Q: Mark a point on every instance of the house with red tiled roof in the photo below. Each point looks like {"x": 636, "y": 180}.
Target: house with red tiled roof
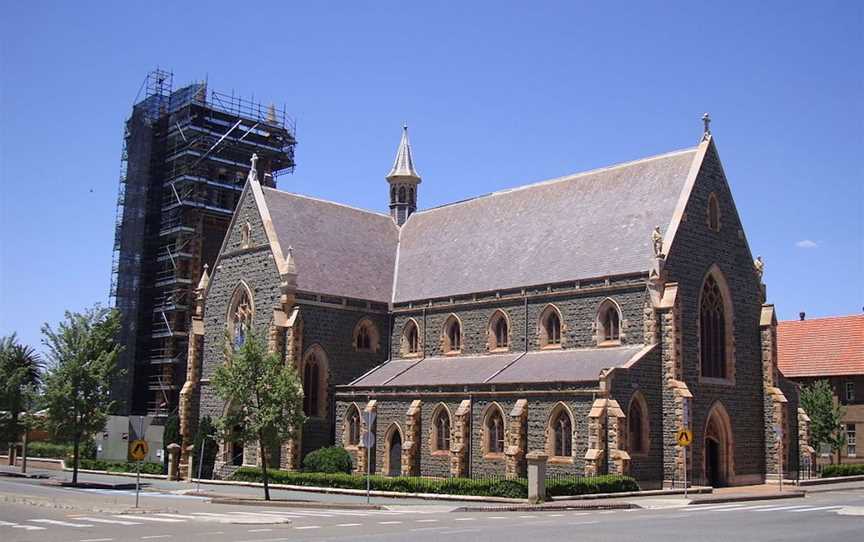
{"x": 829, "y": 349}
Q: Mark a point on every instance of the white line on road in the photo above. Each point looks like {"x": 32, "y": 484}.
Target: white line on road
{"x": 428, "y": 528}
{"x": 427, "y": 520}
{"x": 308, "y": 527}
{"x": 148, "y": 518}
{"x": 176, "y": 516}
{"x": 60, "y": 523}
{"x": 817, "y": 508}
{"x": 780, "y": 508}
{"x": 260, "y": 530}
{"x": 16, "y": 526}
{"x": 464, "y": 519}
{"x": 490, "y": 517}
{"x": 349, "y": 524}
{"x": 152, "y": 536}
{"x": 389, "y": 522}
{"x": 96, "y": 540}
{"x": 109, "y": 521}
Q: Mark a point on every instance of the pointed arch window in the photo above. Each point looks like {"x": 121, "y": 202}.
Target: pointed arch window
{"x": 637, "y": 425}
{"x": 494, "y": 432}
{"x": 713, "y": 330}
{"x": 311, "y": 386}
{"x": 452, "y": 335}
{"x": 550, "y": 328}
{"x": 240, "y": 316}
{"x": 441, "y": 430}
{"x": 366, "y": 338}
{"x": 608, "y": 323}
{"x": 562, "y": 433}
{"x": 353, "y": 423}
{"x": 499, "y": 332}
{"x": 401, "y": 194}
{"x": 410, "y": 339}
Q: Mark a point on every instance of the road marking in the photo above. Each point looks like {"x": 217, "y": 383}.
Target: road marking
{"x": 110, "y": 521}
{"x": 389, "y": 522}
{"x": 704, "y": 508}
{"x": 608, "y": 512}
{"x": 97, "y": 540}
{"x": 260, "y": 530}
{"x": 554, "y": 515}
{"x": 148, "y": 518}
{"x": 175, "y": 516}
{"x": 152, "y": 536}
{"x": 427, "y": 520}
{"x": 349, "y": 525}
{"x": 817, "y": 508}
{"x": 490, "y": 517}
{"x": 26, "y": 527}
{"x": 308, "y": 527}
{"x": 527, "y": 517}
{"x": 464, "y": 519}
{"x": 428, "y": 528}
{"x": 779, "y": 508}
{"x": 580, "y": 514}
{"x": 60, "y": 523}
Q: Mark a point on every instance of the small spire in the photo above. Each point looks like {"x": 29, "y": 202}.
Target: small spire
{"x": 271, "y": 114}
{"x": 253, "y": 171}
{"x": 706, "y": 132}
{"x": 403, "y": 166}
{"x": 205, "y": 278}
{"x": 289, "y": 261}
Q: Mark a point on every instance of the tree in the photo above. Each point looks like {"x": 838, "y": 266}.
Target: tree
{"x": 206, "y": 437}
{"x": 170, "y": 435}
{"x": 21, "y": 367}
{"x": 83, "y": 355}
{"x": 264, "y": 395}
{"x": 826, "y": 416}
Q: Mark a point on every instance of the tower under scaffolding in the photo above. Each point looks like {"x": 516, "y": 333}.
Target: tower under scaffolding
{"x": 183, "y": 167}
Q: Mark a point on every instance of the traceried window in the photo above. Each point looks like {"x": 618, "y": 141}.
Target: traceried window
{"x": 441, "y": 430}
{"x": 452, "y": 335}
{"x": 353, "y": 423}
{"x": 311, "y": 386}
{"x": 495, "y": 432}
{"x": 550, "y": 327}
{"x": 713, "y": 212}
{"x": 363, "y": 339}
{"x": 608, "y": 323}
{"x": 366, "y": 336}
{"x": 712, "y": 330}
{"x": 240, "y": 317}
{"x": 499, "y": 332}
{"x": 410, "y": 339}
{"x": 637, "y": 425}
{"x": 562, "y": 432}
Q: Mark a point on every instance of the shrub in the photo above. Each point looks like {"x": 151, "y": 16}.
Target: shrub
{"x": 49, "y": 450}
{"x": 205, "y": 437}
{"x": 333, "y": 459}
{"x": 119, "y": 466}
{"x": 609, "y": 483}
{"x": 829, "y": 471}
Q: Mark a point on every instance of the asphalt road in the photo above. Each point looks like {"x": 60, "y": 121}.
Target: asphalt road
{"x": 824, "y": 517}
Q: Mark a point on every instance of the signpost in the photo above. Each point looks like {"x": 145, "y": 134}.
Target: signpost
{"x": 369, "y": 443}
{"x": 138, "y": 449}
{"x": 684, "y": 438}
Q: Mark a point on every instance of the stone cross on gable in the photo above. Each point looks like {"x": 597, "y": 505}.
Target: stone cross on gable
{"x": 253, "y": 171}
{"x": 706, "y": 119}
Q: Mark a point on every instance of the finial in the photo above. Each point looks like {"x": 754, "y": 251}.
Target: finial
{"x": 205, "y": 278}
{"x": 759, "y": 266}
{"x": 657, "y": 239}
{"x": 289, "y": 260}
{"x": 706, "y": 119}
{"x": 405, "y": 125}
{"x": 253, "y": 171}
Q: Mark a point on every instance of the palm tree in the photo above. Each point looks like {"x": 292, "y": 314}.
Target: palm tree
{"x": 21, "y": 366}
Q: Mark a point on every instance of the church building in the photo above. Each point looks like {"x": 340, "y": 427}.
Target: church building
{"x": 586, "y": 319}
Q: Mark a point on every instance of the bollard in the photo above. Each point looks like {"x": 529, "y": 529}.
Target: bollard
{"x": 536, "y": 477}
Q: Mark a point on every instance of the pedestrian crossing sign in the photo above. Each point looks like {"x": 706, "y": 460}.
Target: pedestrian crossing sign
{"x": 684, "y": 437}
{"x": 138, "y": 449}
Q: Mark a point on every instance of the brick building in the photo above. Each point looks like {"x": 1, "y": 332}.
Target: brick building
{"x": 829, "y": 349}
{"x": 586, "y": 317}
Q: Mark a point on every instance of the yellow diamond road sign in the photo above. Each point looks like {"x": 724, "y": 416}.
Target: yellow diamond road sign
{"x": 138, "y": 449}
{"x": 684, "y": 437}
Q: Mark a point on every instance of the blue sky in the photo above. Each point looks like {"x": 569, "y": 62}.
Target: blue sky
{"x": 497, "y": 94}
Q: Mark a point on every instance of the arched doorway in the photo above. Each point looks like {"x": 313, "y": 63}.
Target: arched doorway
{"x": 394, "y": 452}
{"x": 717, "y": 448}
{"x": 236, "y": 448}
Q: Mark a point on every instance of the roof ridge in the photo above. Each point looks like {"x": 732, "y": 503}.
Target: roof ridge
{"x": 321, "y": 200}
{"x": 563, "y": 178}
{"x": 834, "y": 317}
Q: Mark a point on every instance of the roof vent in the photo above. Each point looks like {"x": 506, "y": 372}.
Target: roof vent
{"x": 801, "y": 315}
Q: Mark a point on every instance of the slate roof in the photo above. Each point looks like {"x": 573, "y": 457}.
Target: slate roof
{"x": 338, "y": 250}
{"x": 821, "y": 346}
{"x": 576, "y": 365}
{"x": 591, "y": 224}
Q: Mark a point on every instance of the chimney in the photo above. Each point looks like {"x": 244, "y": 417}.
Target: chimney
{"x": 801, "y": 315}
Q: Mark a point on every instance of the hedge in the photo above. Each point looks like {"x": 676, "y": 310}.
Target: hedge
{"x": 118, "y": 466}
{"x": 486, "y": 487}
{"x": 830, "y": 471}
{"x": 49, "y": 450}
